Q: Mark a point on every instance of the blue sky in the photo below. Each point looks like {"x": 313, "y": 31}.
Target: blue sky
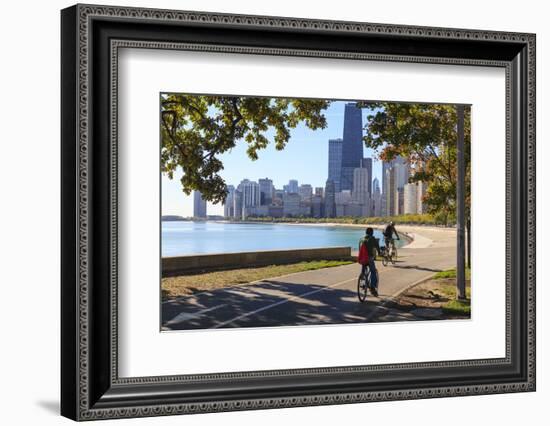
{"x": 304, "y": 158}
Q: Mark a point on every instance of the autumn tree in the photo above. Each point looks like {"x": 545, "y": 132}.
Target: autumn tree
{"x": 426, "y": 135}
{"x": 197, "y": 129}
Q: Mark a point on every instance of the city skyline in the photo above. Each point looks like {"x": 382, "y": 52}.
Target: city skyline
{"x": 348, "y": 190}
{"x": 304, "y": 142}
{"x": 365, "y": 198}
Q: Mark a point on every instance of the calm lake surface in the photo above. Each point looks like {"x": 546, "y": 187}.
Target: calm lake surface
{"x": 185, "y": 237}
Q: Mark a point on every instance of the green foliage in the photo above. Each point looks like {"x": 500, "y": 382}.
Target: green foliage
{"x": 454, "y": 306}
{"x": 457, "y": 307}
{"x": 451, "y": 273}
{"x": 197, "y": 129}
{"x": 426, "y": 135}
{"x": 409, "y": 219}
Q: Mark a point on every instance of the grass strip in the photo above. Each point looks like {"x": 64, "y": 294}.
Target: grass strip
{"x": 450, "y": 273}
{"x": 454, "y": 306}
{"x": 457, "y": 307}
{"x": 185, "y": 285}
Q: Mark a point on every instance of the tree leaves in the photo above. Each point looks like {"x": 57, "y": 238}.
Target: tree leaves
{"x": 426, "y": 135}
{"x": 196, "y": 129}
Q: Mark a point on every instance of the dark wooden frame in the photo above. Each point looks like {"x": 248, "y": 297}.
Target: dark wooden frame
{"x": 90, "y": 386}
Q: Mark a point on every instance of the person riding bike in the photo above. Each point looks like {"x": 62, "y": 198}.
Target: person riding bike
{"x": 371, "y": 243}
{"x": 388, "y": 235}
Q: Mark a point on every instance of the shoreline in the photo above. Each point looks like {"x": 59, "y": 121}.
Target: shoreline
{"x": 415, "y": 236}
{"x": 378, "y": 225}
{"x": 412, "y": 232}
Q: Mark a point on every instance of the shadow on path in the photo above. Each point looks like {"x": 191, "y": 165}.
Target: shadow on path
{"x": 419, "y": 268}
{"x": 269, "y": 303}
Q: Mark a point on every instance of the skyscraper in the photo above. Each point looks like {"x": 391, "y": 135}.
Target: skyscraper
{"x": 278, "y": 197}
{"x": 250, "y": 194}
{"x": 291, "y": 205}
{"x": 317, "y": 206}
{"x": 377, "y": 198}
{"x": 199, "y": 205}
{"x": 376, "y": 186}
{"x": 366, "y": 163}
{"x": 386, "y": 166}
{"x": 330, "y": 205}
{"x": 395, "y": 175}
{"x": 343, "y": 197}
{"x": 228, "y": 205}
{"x": 335, "y": 162}
{"x": 320, "y": 191}
{"x": 361, "y": 186}
{"x": 410, "y": 198}
{"x": 305, "y": 191}
{"x": 292, "y": 187}
{"x": 237, "y": 204}
{"x": 399, "y": 201}
{"x": 391, "y": 178}
{"x": 402, "y": 167}
{"x": 266, "y": 191}
{"x": 352, "y": 145}
{"x": 343, "y": 200}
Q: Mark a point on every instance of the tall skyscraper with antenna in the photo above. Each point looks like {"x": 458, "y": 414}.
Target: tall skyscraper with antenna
{"x": 352, "y": 144}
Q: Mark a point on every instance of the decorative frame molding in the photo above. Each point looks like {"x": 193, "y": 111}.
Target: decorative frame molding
{"x": 91, "y": 37}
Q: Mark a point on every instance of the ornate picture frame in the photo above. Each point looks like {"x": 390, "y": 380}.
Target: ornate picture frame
{"x": 90, "y": 38}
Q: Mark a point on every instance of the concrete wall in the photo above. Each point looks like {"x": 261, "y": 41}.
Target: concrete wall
{"x": 205, "y": 262}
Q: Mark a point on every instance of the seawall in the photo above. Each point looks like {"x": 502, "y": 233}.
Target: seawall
{"x": 177, "y": 265}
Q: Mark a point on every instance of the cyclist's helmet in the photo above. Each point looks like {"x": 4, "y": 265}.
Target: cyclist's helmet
{"x": 391, "y": 222}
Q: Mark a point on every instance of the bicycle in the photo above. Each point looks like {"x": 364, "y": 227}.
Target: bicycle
{"x": 364, "y": 284}
{"x": 390, "y": 253}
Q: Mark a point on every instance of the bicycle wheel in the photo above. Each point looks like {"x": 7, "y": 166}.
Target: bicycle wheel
{"x": 394, "y": 256}
{"x": 362, "y": 287}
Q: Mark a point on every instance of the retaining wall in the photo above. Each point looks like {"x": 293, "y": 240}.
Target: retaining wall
{"x": 177, "y": 265}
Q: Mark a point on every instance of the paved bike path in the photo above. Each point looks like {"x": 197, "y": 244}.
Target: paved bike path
{"x": 325, "y": 296}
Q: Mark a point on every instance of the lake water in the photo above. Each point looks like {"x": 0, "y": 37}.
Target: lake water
{"x": 185, "y": 237}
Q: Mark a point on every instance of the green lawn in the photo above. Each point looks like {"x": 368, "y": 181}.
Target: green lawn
{"x": 447, "y": 286}
{"x": 457, "y": 307}
{"x": 188, "y": 284}
{"x": 451, "y": 273}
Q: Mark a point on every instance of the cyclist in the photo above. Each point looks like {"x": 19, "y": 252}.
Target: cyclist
{"x": 372, "y": 246}
{"x": 388, "y": 235}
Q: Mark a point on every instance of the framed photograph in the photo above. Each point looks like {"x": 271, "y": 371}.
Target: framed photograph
{"x": 263, "y": 212}
{"x": 262, "y": 253}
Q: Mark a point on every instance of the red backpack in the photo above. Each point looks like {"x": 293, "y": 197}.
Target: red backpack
{"x": 363, "y": 257}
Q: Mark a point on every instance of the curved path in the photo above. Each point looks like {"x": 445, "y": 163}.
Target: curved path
{"x": 325, "y": 296}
